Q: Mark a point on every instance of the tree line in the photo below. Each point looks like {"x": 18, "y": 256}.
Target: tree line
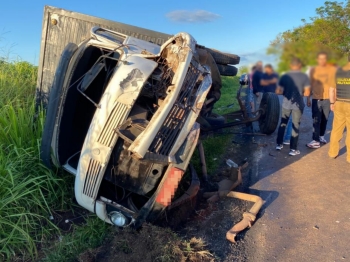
{"x": 328, "y": 31}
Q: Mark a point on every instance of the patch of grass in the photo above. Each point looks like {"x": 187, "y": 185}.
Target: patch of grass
{"x": 17, "y": 81}
{"x": 28, "y": 190}
{"x": 228, "y": 102}
{"x": 89, "y": 235}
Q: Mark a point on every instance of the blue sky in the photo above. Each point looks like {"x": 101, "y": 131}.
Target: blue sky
{"x": 241, "y": 27}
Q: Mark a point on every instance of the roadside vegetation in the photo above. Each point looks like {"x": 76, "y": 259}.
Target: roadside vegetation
{"x": 27, "y": 189}
{"x": 328, "y": 30}
{"x": 31, "y": 194}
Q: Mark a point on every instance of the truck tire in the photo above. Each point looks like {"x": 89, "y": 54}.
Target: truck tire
{"x": 53, "y": 103}
{"x": 269, "y": 119}
{"x": 224, "y": 58}
{"x": 227, "y": 70}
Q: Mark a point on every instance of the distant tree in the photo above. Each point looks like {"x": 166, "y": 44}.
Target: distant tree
{"x": 328, "y": 31}
{"x": 243, "y": 70}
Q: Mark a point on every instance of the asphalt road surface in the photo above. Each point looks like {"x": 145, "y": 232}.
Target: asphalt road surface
{"x": 306, "y": 216}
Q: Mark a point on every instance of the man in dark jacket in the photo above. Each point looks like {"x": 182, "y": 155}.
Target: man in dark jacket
{"x": 269, "y": 79}
{"x": 293, "y": 85}
{"x": 257, "y": 88}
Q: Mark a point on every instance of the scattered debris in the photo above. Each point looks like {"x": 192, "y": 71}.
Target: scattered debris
{"x": 225, "y": 187}
{"x": 230, "y": 163}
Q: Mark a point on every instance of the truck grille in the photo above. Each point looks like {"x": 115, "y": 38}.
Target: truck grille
{"x": 92, "y": 173}
{"x": 168, "y": 133}
{"x": 117, "y": 117}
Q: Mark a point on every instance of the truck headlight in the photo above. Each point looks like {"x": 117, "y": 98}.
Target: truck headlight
{"x": 118, "y": 218}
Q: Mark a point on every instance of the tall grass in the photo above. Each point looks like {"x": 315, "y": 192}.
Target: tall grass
{"x": 17, "y": 81}
{"x": 28, "y": 190}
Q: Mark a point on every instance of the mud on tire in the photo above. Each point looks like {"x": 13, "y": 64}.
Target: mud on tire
{"x": 269, "y": 119}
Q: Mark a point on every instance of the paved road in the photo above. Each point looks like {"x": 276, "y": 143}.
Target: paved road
{"x": 307, "y": 212}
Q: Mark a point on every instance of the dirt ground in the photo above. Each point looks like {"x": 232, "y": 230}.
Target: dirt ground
{"x": 306, "y": 215}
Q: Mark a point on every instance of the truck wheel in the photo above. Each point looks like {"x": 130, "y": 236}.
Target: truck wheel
{"x": 224, "y": 58}
{"x": 269, "y": 119}
{"x": 227, "y": 70}
{"x": 53, "y": 103}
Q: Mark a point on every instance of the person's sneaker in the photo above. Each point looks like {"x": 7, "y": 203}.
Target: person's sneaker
{"x": 323, "y": 140}
{"x": 293, "y": 152}
{"x": 286, "y": 142}
{"x": 313, "y": 144}
{"x": 279, "y": 147}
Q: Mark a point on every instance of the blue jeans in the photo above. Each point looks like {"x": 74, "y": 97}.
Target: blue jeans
{"x": 288, "y": 134}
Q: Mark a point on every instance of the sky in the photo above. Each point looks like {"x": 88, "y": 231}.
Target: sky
{"x": 240, "y": 27}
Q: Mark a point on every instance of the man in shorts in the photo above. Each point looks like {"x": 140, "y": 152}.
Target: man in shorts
{"x": 293, "y": 86}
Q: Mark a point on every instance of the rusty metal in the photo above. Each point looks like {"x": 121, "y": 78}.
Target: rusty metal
{"x": 54, "y": 21}
{"x": 225, "y": 185}
{"x": 248, "y": 217}
{"x": 240, "y": 115}
{"x": 190, "y": 193}
{"x": 202, "y": 160}
{"x": 235, "y": 123}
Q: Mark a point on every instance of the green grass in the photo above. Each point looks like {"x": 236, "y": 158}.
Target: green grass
{"x": 228, "y": 96}
{"x": 28, "y": 190}
{"x": 82, "y": 238}
{"x": 17, "y": 82}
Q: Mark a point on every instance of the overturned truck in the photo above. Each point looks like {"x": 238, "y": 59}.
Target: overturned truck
{"x": 122, "y": 111}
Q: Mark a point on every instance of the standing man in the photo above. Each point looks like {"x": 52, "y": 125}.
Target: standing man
{"x": 269, "y": 79}
{"x": 257, "y": 88}
{"x": 293, "y": 86}
{"x": 251, "y": 94}
{"x": 321, "y": 79}
{"x": 340, "y": 105}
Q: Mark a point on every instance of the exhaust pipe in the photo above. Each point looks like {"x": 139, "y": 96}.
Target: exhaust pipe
{"x": 248, "y": 217}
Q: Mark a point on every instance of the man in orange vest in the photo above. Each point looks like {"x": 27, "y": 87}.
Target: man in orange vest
{"x": 340, "y": 104}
